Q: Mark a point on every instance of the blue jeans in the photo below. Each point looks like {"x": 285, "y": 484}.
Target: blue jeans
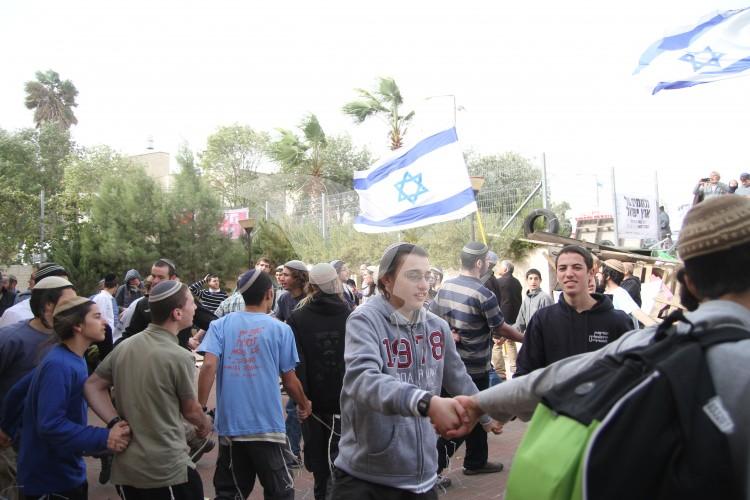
{"x": 494, "y": 378}
{"x": 293, "y": 427}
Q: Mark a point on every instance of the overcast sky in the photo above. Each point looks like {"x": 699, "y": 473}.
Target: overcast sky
{"x": 531, "y": 77}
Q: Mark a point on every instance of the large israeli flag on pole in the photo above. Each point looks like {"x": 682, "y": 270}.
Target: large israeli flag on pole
{"x": 716, "y": 48}
{"x": 416, "y": 185}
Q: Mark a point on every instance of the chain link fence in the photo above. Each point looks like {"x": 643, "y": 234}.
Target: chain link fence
{"x": 507, "y": 195}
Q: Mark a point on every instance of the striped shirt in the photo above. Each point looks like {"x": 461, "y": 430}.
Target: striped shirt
{"x": 473, "y": 311}
{"x": 210, "y": 300}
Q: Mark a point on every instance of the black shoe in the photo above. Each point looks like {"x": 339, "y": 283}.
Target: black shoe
{"x": 487, "y": 468}
{"x": 203, "y": 447}
{"x": 106, "y": 469}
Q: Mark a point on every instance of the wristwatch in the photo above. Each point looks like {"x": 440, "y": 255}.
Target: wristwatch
{"x": 423, "y": 405}
{"x": 112, "y": 422}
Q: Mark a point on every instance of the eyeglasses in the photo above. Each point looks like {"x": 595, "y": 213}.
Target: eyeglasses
{"x": 417, "y": 276}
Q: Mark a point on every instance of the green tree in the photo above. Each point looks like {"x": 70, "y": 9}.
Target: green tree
{"x": 508, "y": 179}
{"x": 51, "y": 99}
{"x": 191, "y": 219}
{"x": 384, "y": 102}
{"x": 30, "y": 160}
{"x": 230, "y": 161}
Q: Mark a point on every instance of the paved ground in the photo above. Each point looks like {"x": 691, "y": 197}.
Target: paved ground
{"x": 501, "y": 449}
{"x": 486, "y": 486}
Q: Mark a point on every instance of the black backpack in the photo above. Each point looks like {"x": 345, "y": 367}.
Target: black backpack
{"x": 652, "y": 424}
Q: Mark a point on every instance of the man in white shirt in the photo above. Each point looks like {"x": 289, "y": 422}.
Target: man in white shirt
{"x": 613, "y": 273}
{"x": 104, "y": 300}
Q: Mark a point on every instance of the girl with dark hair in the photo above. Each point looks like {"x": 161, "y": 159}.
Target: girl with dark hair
{"x": 55, "y": 434}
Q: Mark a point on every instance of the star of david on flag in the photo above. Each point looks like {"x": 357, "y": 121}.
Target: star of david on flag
{"x": 419, "y": 184}
{"x": 717, "y": 47}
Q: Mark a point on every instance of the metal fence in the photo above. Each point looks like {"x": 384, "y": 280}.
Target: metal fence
{"x": 506, "y": 196}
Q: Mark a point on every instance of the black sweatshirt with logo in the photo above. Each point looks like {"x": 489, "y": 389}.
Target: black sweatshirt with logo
{"x": 559, "y": 331}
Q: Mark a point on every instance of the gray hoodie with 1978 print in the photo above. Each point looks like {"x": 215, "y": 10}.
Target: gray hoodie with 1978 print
{"x": 391, "y": 362}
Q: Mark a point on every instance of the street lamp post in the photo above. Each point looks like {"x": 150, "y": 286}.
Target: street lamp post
{"x": 248, "y": 225}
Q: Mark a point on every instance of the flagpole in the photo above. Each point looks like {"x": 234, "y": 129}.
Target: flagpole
{"x": 481, "y": 227}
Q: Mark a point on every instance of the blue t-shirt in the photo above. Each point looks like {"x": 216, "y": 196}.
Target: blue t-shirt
{"x": 55, "y": 434}
{"x": 21, "y": 349}
{"x": 253, "y": 349}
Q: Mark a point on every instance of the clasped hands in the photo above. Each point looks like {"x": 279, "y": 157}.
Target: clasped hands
{"x": 456, "y": 417}
{"x": 119, "y": 437}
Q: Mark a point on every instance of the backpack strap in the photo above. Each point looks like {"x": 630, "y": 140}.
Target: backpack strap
{"x": 667, "y": 326}
{"x": 719, "y": 334}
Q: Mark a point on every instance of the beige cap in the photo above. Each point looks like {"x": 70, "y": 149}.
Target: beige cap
{"x": 615, "y": 264}
{"x": 715, "y": 225}
{"x": 52, "y": 282}
{"x": 70, "y": 303}
{"x": 325, "y": 277}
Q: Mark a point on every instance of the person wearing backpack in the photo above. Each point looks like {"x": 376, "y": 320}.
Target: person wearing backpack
{"x": 713, "y": 442}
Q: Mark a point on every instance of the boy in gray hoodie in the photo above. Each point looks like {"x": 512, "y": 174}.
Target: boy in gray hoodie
{"x": 398, "y": 356}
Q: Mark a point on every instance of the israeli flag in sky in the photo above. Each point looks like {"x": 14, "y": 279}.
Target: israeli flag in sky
{"x": 416, "y": 185}
{"x": 718, "y": 47}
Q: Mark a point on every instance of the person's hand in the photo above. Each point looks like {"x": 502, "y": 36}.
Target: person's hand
{"x": 119, "y": 437}
{"x": 499, "y": 341}
{"x": 304, "y": 411}
{"x": 193, "y": 343}
{"x": 473, "y": 412}
{"x": 5, "y": 439}
{"x": 447, "y": 415}
{"x": 205, "y": 428}
{"x": 456, "y": 336}
{"x": 493, "y": 426}
{"x": 205, "y": 278}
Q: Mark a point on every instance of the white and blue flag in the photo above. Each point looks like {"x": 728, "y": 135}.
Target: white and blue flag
{"x": 718, "y": 47}
{"x": 416, "y": 185}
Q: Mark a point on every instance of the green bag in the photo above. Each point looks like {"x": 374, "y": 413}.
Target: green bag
{"x": 558, "y": 442}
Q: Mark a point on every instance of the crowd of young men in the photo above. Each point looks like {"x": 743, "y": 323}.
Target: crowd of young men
{"x": 382, "y": 393}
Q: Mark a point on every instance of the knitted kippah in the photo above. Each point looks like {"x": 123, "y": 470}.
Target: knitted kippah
{"x": 475, "y": 248}
{"x": 247, "y": 280}
{"x": 164, "y": 290}
{"x": 52, "y": 282}
{"x": 70, "y": 303}
{"x": 296, "y": 264}
{"x": 715, "y": 225}
{"x": 326, "y": 278}
{"x": 50, "y": 269}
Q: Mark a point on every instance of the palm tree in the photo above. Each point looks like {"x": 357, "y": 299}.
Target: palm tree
{"x": 51, "y": 99}
{"x": 303, "y": 158}
{"x": 383, "y": 102}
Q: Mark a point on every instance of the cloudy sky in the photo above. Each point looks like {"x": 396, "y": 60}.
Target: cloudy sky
{"x": 533, "y": 77}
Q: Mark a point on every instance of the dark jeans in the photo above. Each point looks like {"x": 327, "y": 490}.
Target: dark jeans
{"x": 79, "y": 493}
{"x": 192, "y": 490}
{"x": 241, "y": 461}
{"x": 346, "y": 487}
{"x": 293, "y": 428}
{"x": 476, "y": 440}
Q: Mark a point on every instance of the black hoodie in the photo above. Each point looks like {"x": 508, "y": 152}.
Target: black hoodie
{"x": 319, "y": 327}
{"x": 559, "y": 331}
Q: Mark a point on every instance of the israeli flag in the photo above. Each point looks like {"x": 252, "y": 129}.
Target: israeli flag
{"x": 415, "y": 186}
{"x": 718, "y": 47}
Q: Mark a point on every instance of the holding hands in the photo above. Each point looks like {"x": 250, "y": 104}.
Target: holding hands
{"x": 119, "y": 437}
{"x": 448, "y": 416}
